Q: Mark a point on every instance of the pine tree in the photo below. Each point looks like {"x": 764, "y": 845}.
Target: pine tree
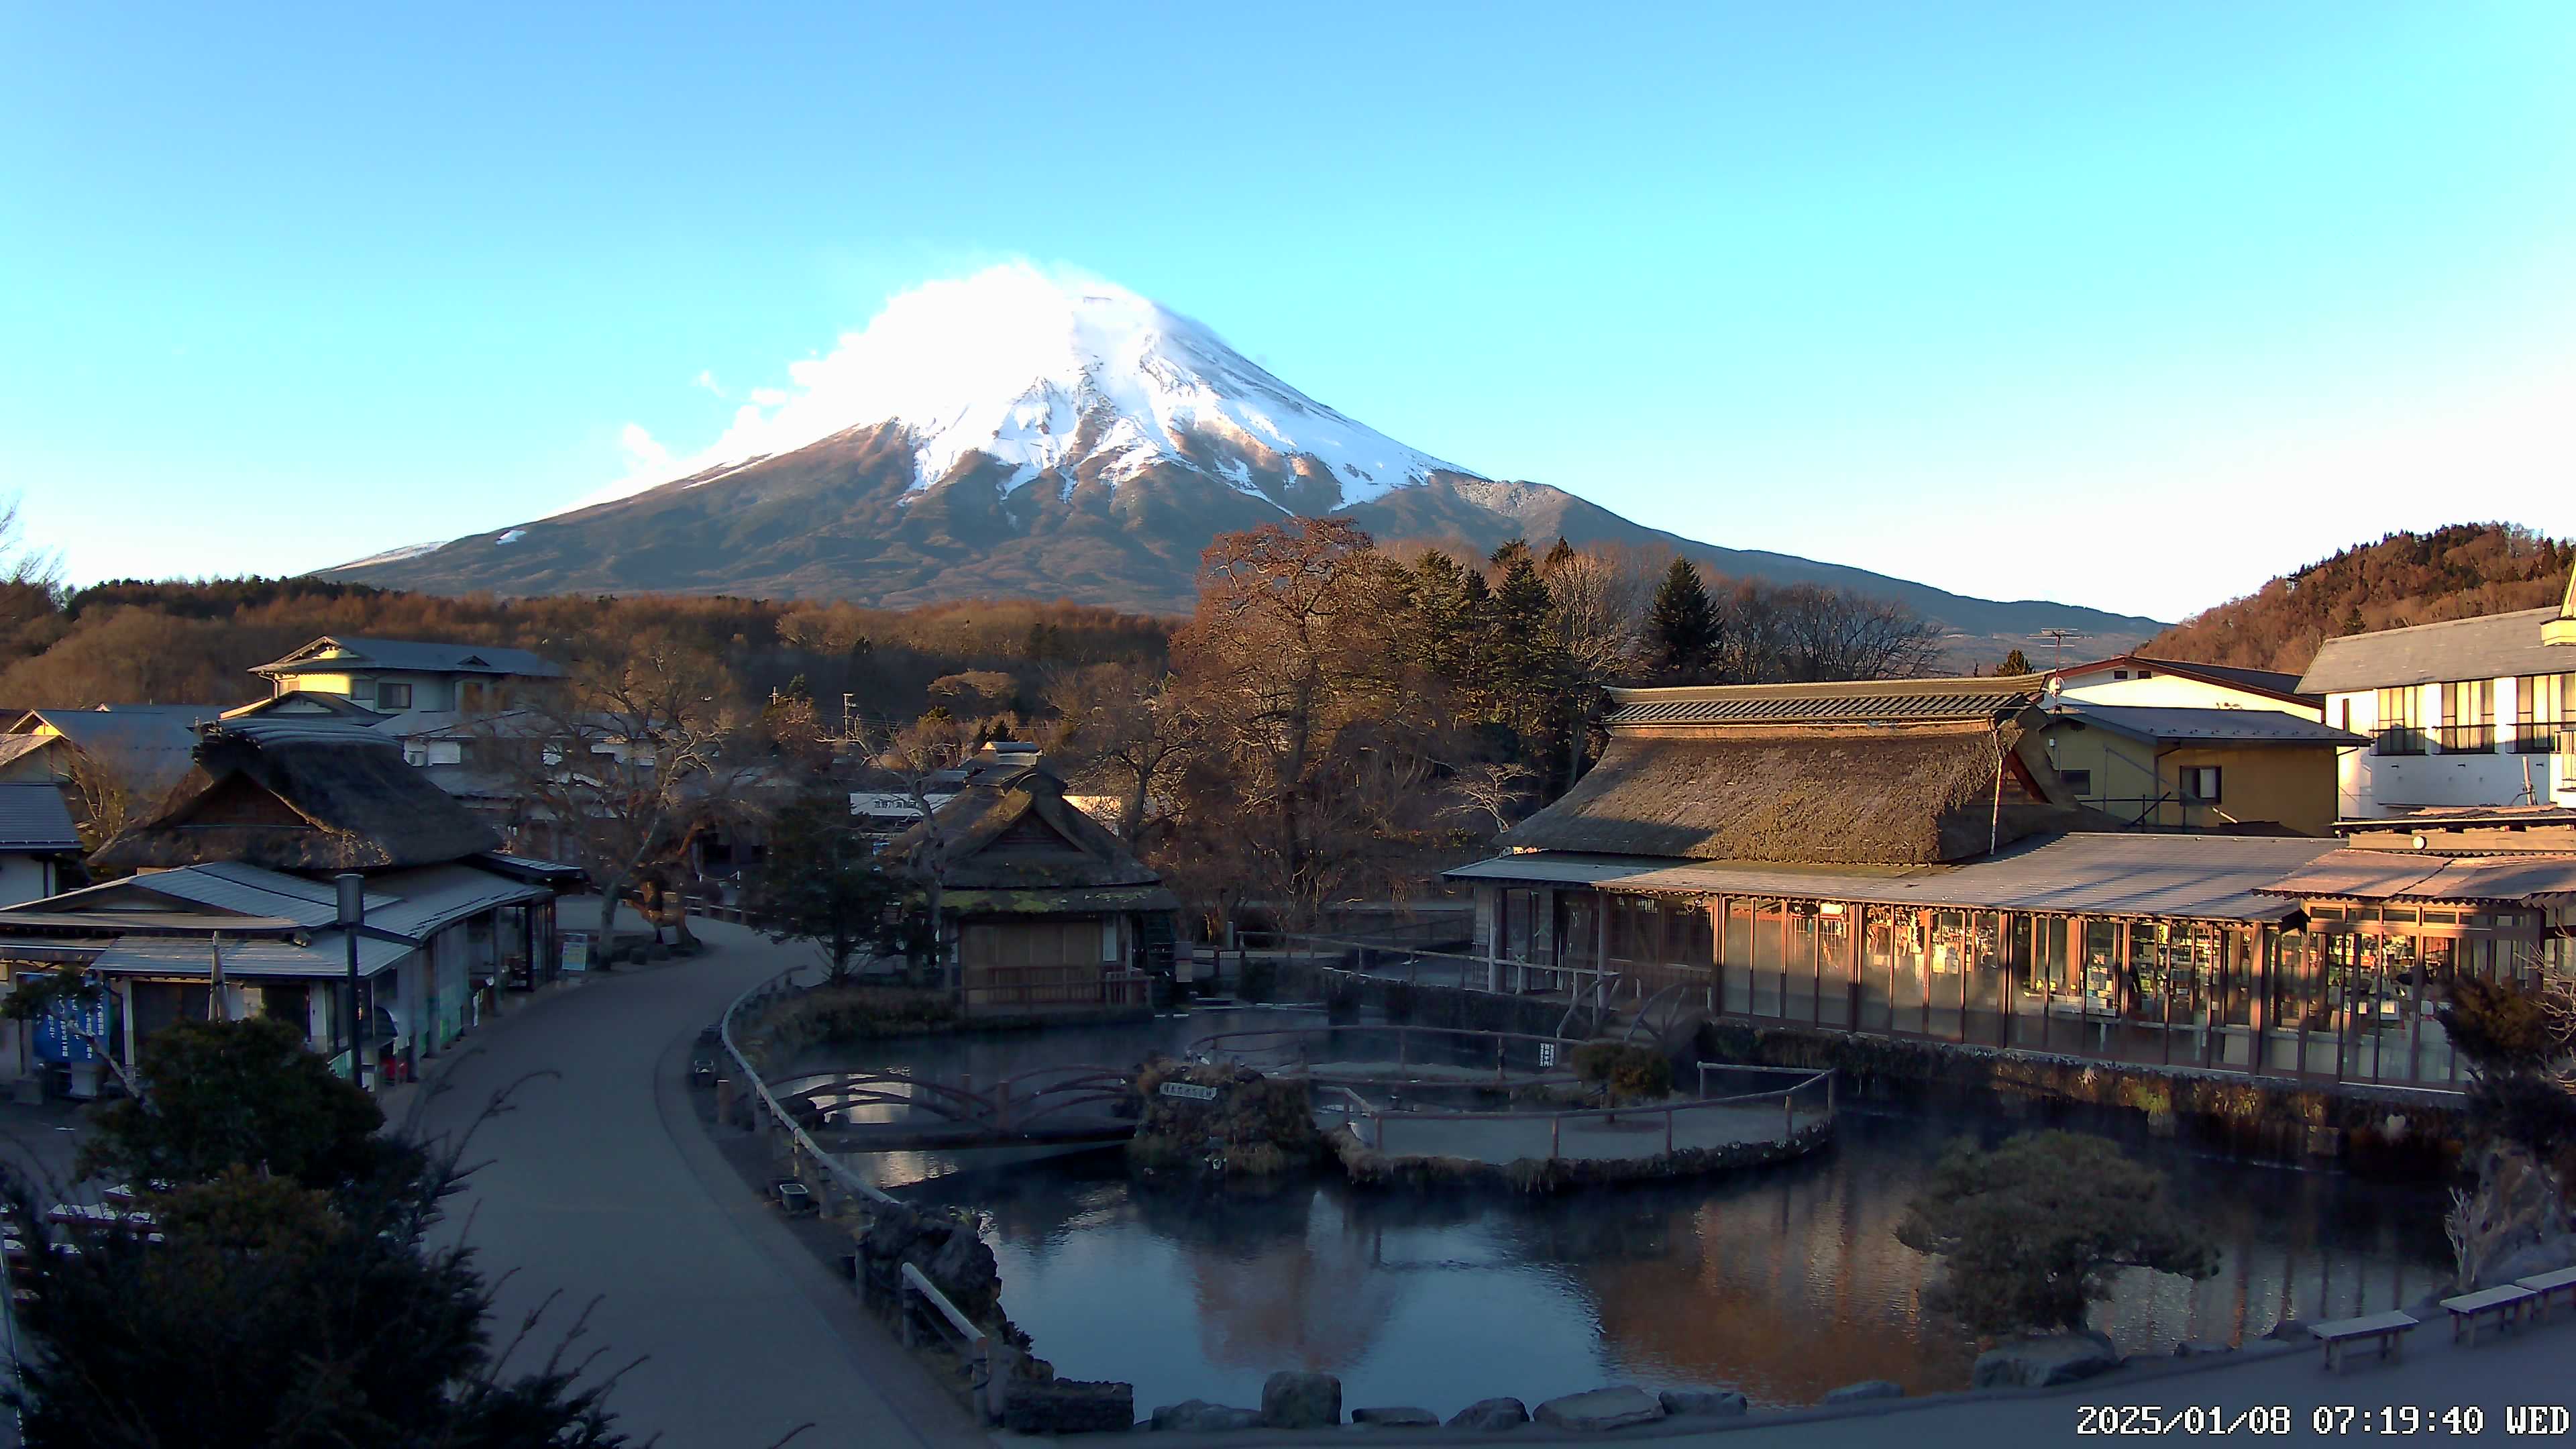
{"x": 1681, "y": 625}
{"x": 2015, "y": 663}
{"x": 1528, "y": 661}
{"x": 1557, "y": 557}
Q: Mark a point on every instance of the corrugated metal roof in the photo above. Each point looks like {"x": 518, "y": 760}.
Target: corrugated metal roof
{"x": 2205, "y": 877}
{"x": 2485, "y": 648}
{"x": 441, "y": 895}
{"x": 248, "y": 891}
{"x": 2388, "y": 875}
{"x": 327, "y": 956}
{"x": 412, "y": 654}
{"x": 35, "y": 818}
{"x": 2236, "y": 726}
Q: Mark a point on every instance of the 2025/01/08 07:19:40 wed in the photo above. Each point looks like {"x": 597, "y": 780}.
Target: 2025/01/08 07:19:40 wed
{"x": 2390, "y": 1419}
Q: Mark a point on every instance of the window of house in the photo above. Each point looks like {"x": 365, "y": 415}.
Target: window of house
{"x": 2079, "y": 781}
{"x": 393, "y": 696}
{"x": 2119, "y": 674}
{"x": 2399, "y": 725}
{"x": 2200, "y": 782}
{"x": 362, "y": 689}
{"x": 2146, "y": 674}
{"x": 2540, "y": 710}
{"x": 2468, "y": 717}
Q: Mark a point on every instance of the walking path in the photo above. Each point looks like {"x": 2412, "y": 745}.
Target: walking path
{"x": 600, "y": 1184}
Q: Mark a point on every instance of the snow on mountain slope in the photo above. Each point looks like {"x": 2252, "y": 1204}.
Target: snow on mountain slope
{"x": 1050, "y": 376}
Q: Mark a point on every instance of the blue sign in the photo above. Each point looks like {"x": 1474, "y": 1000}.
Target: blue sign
{"x": 59, "y": 1031}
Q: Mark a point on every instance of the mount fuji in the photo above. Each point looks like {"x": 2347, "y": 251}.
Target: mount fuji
{"x": 1013, "y": 434}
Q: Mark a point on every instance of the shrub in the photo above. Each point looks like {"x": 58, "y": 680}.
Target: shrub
{"x": 1631, "y": 1073}
{"x": 2031, "y": 1232}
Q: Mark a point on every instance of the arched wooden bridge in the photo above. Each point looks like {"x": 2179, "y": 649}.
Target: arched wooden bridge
{"x": 1046, "y": 1107}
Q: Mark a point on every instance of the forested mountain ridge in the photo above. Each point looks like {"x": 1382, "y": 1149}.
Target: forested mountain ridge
{"x": 2462, "y": 571}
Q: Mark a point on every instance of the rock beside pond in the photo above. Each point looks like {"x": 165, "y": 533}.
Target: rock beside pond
{"x": 2036, "y": 1363}
{"x": 1295, "y": 1400}
{"x": 1491, "y": 1415}
{"x": 2290, "y": 1330}
{"x": 1865, "y": 1389}
{"x": 2545, "y": 1256}
{"x": 2201, "y": 1348}
{"x": 1406, "y": 1418}
{"x": 1618, "y": 1407}
{"x": 1703, "y": 1403}
{"x": 1198, "y": 1416}
{"x": 1070, "y": 1406}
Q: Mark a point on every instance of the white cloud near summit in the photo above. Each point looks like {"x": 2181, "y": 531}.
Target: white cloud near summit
{"x": 941, "y": 340}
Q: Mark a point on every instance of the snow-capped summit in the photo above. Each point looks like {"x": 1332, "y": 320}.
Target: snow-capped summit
{"x": 1066, "y": 379}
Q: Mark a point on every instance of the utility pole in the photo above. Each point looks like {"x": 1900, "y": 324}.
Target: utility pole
{"x": 353, "y": 915}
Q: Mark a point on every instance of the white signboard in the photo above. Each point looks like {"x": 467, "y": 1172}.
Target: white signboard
{"x": 1547, "y": 1054}
{"x": 1193, "y": 1093}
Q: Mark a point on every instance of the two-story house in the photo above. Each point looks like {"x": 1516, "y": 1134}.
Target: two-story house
{"x": 2465, "y": 712}
{"x": 2171, "y": 744}
{"x": 426, "y": 685}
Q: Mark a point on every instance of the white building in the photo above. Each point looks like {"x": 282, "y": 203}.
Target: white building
{"x": 2138, "y": 681}
{"x": 2469, "y": 712}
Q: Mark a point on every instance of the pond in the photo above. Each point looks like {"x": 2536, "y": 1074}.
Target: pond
{"x": 1785, "y": 1282}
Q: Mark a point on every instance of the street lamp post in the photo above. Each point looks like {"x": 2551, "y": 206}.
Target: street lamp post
{"x": 353, "y": 915}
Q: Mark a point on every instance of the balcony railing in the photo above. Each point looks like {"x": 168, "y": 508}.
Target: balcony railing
{"x": 2465, "y": 739}
{"x": 2543, "y": 737}
{"x": 2401, "y": 740}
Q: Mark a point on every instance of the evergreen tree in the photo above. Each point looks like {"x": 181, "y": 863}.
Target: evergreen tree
{"x": 1557, "y": 557}
{"x": 1681, "y": 624}
{"x": 2014, "y": 663}
{"x": 1528, "y": 660}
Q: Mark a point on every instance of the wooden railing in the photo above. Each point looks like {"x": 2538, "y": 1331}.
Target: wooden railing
{"x": 1060, "y": 987}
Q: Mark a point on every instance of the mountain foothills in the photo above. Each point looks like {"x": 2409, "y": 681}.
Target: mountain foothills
{"x": 2458, "y": 572}
{"x": 1013, "y": 436}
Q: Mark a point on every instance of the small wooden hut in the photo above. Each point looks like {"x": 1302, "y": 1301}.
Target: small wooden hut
{"x": 1041, "y": 908}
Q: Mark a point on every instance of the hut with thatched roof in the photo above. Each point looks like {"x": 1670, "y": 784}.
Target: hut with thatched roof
{"x": 225, "y": 906}
{"x": 1040, "y": 908}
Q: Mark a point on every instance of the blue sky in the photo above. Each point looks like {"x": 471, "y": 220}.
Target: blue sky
{"x": 2128, "y": 306}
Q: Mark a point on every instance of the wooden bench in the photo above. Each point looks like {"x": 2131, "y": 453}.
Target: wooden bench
{"x": 2505, "y": 1301}
{"x": 2544, "y": 1284}
{"x": 2388, "y": 1330}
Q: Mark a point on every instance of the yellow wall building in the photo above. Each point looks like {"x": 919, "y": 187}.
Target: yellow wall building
{"x": 2217, "y": 770}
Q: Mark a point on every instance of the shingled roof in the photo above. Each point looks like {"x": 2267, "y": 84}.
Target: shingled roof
{"x": 300, "y": 795}
{"x": 1808, "y": 795}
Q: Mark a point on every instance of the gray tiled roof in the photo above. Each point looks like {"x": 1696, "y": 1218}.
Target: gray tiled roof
{"x": 147, "y": 746}
{"x": 35, "y": 818}
{"x": 2237, "y": 726}
{"x": 2486, "y": 648}
{"x": 412, "y": 654}
{"x": 2387, "y": 875}
{"x": 2205, "y": 877}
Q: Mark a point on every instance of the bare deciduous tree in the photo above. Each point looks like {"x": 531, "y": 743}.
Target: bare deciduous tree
{"x": 1125, "y": 725}
{"x": 627, "y": 761}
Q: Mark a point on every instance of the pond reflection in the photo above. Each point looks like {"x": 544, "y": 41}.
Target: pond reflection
{"x": 1786, "y": 1282}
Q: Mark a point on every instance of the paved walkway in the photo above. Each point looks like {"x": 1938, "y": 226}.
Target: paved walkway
{"x": 601, "y": 1184}
{"x": 1634, "y": 1134}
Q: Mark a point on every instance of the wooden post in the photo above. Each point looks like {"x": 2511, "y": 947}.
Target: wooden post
{"x": 1788, "y": 1119}
{"x": 1668, "y": 1131}
{"x": 1830, "y": 1079}
{"x": 1556, "y": 1136}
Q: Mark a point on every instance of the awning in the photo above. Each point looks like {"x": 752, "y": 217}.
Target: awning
{"x": 2352, "y": 874}
{"x": 2201, "y": 877}
{"x": 327, "y": 956}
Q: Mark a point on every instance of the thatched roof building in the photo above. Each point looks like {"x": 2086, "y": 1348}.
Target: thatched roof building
{"x": 1911, "y": 772}
{"x": 1009, "y": 828}
{"x": 299, "y": 795}
{"x": 1045, "y": 908}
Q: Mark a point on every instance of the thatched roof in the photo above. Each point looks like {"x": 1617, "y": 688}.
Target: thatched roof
{"x": 313, "y": 797}
{"x": 1011, "y": 830}
{"x": 1805, "y": 794}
